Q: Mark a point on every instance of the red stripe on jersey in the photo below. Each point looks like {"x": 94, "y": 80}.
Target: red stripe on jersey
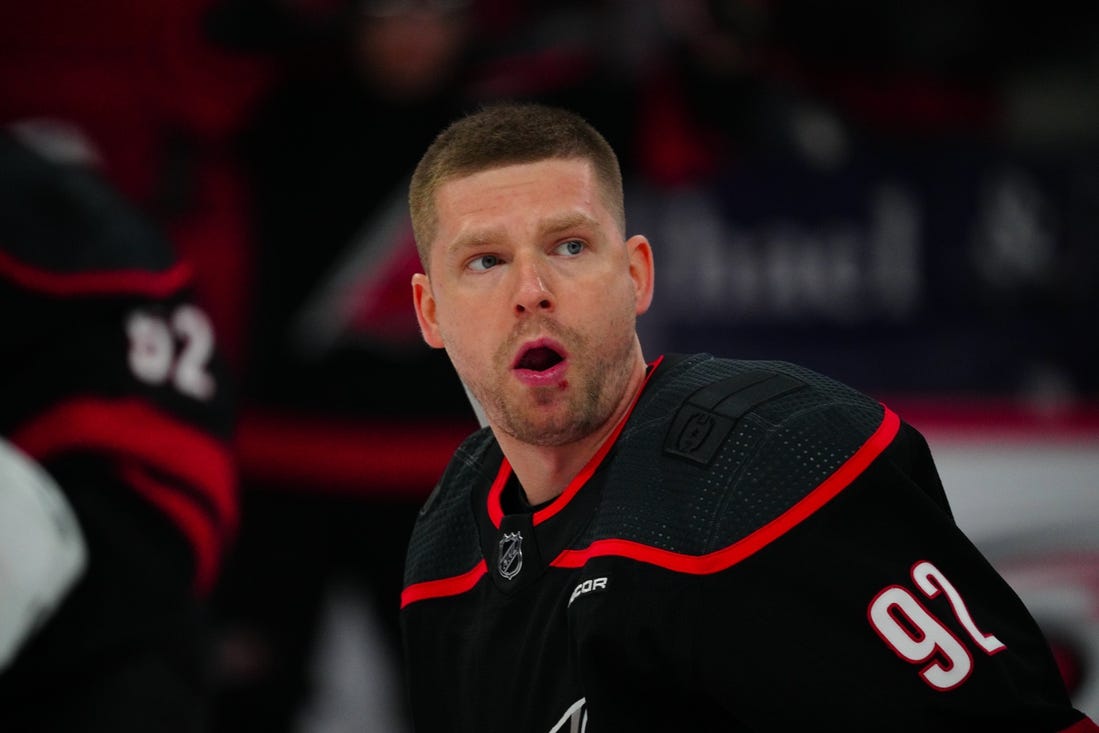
{"x": 136, "y": 431}
{"x": 444, "y": 586}
{"x": 117, "y": 282}
{"x": 721, "y": 559}
{"x": 495, "y": 509}
{"x": 188, "y": 517}
{"x": 1082, "y": 726}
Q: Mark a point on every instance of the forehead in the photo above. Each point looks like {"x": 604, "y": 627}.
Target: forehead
{"x": 524, "y": 192}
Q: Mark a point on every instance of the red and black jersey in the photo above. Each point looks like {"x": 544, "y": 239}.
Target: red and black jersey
{"x": 758, "y": 548}
{"x": 110, "y": 375}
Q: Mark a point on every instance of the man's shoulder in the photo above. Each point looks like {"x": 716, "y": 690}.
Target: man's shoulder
{"x": 472, "y": 460}
{"x": 694, "y": 372}
{"x": 720, "y": 448}
{"x": 697, "y": 400}
{"x": 445, "y": 537}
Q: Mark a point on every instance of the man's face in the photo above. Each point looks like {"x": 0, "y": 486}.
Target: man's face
{"x": 534, "y": 294}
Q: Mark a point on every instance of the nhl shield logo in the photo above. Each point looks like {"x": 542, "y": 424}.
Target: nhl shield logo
{"x": 511, "y": 555}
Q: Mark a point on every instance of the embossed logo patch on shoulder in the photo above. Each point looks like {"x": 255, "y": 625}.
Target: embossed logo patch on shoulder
{"x": 697, "y": 434}
{"x": 707, "y": 416}
{"x": 511, "y": 555}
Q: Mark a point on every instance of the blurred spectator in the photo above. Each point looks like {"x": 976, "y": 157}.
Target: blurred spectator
{"x": 714, "y": 92}
{"x": 114, "y": 393}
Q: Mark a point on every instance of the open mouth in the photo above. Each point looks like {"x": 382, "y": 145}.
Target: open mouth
{"x": 539, "y": 357}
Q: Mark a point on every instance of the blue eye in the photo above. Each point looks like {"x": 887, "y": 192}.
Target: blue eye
{"x": 483, "y": 262}
{"x": 572, "y": 247}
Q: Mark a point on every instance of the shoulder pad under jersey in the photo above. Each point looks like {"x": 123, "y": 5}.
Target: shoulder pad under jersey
{"x": 717, "y": 449}
{"x": 445, "y": 539}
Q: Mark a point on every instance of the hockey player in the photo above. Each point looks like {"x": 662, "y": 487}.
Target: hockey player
{"x": 117, "y": 487}
{"x": 687, "y": 544}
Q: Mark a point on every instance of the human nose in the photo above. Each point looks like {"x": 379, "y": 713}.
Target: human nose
{"x": 532, "y": 292}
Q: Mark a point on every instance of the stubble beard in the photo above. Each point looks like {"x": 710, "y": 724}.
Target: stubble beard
{"x": 597, "y": 380}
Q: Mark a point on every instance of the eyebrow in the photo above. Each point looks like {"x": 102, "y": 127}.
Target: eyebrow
{"x": 552, "y": 225}
{"x": 474, "y": 240}
{"x": 563, "y": 222}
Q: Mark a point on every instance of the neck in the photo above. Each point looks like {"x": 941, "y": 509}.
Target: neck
{"x": 545, "y": 471}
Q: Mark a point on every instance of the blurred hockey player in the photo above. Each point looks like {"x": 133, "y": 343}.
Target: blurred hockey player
{"x": 117, "y": 484}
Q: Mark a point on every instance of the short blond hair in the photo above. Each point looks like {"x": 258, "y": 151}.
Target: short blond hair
{"x": 508, "y": 134}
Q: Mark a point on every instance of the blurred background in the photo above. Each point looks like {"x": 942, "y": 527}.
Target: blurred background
{"x": 904, "y": 196}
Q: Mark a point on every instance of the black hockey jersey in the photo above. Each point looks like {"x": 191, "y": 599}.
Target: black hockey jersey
{"x": 759, "y": 548}
{"x": 111, "y": 377}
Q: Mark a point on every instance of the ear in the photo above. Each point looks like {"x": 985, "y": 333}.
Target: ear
{"x": 424, "y": 302}
{"x": 642, "y": 273}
